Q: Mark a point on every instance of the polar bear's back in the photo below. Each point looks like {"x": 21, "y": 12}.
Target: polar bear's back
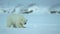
{"x": 16, "y": 18}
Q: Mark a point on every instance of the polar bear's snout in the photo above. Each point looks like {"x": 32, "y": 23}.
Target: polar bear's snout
{"x": 25, "y": 22}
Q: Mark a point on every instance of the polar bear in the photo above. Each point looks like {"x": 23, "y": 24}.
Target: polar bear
{"x": 16, "y": 20}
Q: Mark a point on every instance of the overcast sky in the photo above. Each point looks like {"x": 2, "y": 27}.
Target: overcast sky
{"x": 5, "y": 3}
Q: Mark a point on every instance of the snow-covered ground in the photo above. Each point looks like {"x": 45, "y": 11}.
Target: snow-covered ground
{"x": 39, "y": 22}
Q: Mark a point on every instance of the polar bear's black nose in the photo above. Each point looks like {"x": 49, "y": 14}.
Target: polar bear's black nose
{"x": 25, "y": 23}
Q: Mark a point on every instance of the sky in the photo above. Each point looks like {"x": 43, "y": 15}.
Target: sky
{"x": 39, "y": 22}
{"x": 27, "y": 2}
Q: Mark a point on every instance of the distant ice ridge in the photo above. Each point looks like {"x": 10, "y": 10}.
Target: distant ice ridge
{"x": 21, "y": 9}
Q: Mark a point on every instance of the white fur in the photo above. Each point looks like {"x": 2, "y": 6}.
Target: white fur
{"x": 16, "y": 20}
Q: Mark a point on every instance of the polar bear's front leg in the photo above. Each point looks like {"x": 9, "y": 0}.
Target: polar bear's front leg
{"x": 20, "y": 25}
